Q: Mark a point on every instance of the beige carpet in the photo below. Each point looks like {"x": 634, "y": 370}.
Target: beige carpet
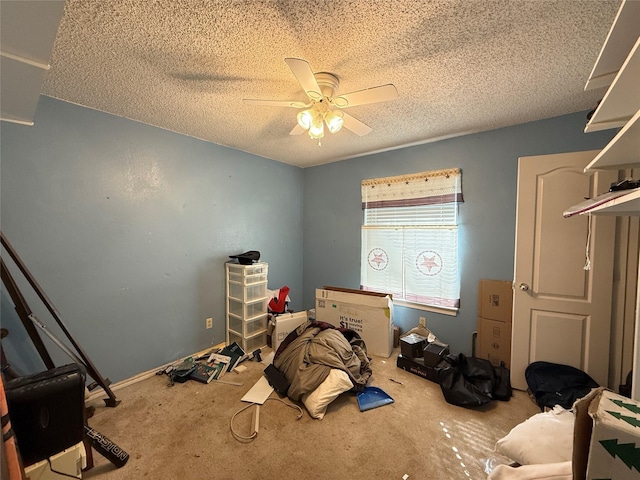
{"x": 183, "y": 432}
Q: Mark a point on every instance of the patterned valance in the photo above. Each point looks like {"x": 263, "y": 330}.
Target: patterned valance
{"x": 425, "y": 188}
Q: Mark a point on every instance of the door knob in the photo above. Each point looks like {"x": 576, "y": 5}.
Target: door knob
{"x": 524, "y": 287}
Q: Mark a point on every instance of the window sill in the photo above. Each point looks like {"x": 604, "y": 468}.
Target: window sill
{"x": 427, "y": 308}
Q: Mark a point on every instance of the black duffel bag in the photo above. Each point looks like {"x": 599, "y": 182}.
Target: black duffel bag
{"x": 555, "y": 384}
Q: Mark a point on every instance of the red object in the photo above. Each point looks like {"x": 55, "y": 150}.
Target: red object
{"x": 277, "y": 305}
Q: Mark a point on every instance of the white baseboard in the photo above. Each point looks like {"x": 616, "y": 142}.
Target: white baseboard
{"x": 99, "y": 392}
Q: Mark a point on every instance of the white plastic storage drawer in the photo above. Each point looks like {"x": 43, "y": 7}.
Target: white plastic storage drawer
{"x": 248, "y": 328}
{"x": 246, "y": 310}
{"x": 261, "y": 277}
{"x": 248, "y": 344}
{"x": 247, "y": 293}
{"x": 247, "y": 274}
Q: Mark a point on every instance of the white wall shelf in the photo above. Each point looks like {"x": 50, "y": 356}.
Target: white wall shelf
{"x": 625, "y": 205}
{"x": 623, "y": 150}
{"x": 620, "y": 107}
{"x": 27, "y": 33}
{"x": 619, "y": 42}
{"x": 622, "y": 99}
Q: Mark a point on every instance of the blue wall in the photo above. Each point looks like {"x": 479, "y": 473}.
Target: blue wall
{"x": 489, "y": 163}
{"x": 127, "y": 227}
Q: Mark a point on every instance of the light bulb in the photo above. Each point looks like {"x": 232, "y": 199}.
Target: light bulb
{"x": 316, "y": 130}
{"x": 334, "y": 119}
{"x": 305, "y": 118}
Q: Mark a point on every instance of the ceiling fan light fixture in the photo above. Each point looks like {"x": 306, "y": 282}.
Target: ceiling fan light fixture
{"x": 321, "y": 89}
{"x": 334, "y": 120}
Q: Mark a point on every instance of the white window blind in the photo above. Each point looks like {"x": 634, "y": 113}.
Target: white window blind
{"x": 410, "y": 237}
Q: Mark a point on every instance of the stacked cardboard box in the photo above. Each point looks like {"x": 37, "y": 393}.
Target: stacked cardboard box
{"x": 495, "y": 301}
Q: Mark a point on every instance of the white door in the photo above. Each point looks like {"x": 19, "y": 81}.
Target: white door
{"x": 561, "y": 311}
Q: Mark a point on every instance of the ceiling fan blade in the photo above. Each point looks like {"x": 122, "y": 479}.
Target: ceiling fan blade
{"x": 355, "y": 125}
{"x": 275, "y": 103}
{"x": 302, "y": 71}
{"x": 381, "y": 93}
{"x": 297, "y": 130}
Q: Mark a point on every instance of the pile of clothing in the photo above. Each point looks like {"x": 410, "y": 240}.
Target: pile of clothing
{"x": 310, "y": 353}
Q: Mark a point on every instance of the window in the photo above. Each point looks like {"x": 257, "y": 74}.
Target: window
{"x": 410, "y": 237}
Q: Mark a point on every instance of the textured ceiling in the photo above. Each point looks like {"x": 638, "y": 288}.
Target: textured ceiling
{"x": 460, "y": 66}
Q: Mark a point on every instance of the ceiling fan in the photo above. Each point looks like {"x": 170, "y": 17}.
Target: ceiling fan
{"x": 325, "y": 105}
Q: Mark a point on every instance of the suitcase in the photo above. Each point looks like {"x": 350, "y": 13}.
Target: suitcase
{"x": 47, "y": 411}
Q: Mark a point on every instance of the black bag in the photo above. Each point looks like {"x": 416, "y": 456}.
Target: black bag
{"x": 468, "y": 382}
{"x": 554, "y": 384}
{"x": 277, "y": 380}
{"x": 502, "y": 386}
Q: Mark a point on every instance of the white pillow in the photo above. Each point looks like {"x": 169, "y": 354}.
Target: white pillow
{"x": 316, "y": 402}
{"x": 544, "y": 438}
{"x": 549, "y": 471}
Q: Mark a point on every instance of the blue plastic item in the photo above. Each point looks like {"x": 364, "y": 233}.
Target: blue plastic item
{"x": 373, "y": 397}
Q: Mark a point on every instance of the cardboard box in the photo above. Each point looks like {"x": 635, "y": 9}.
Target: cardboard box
{"x": 495, "y": 300}
{"x": 369, "y": 314}
{"x": 606, "y": 437}
{"x": 70, "y": 462}
{"x": 284, "y": 324}
{"x": 494, "y": 341}
{"x": 417, "y": 367}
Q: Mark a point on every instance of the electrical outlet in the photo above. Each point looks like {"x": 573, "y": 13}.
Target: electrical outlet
{"x": 209, "y": 322}
{"x": 423, "y": 321}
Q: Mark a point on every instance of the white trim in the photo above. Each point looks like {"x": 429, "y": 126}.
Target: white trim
{"x": 99, "y": 392}
{"x": 25, "y": 60}
{"x": 28, "y": 123}
{"x": 427, "y": 308}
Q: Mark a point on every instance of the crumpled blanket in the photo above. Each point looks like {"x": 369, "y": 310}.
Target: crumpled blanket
{"x": 309, "y": 353}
